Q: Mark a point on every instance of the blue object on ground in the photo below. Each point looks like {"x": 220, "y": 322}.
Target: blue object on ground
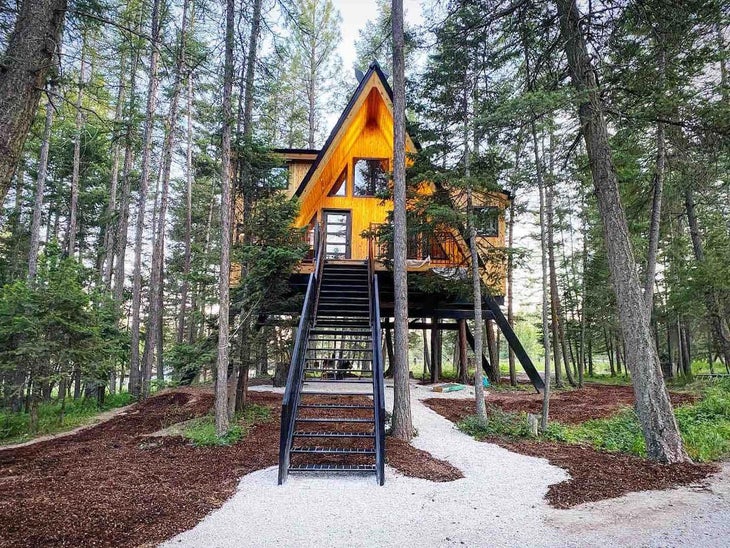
{"x": 485, "y": 382}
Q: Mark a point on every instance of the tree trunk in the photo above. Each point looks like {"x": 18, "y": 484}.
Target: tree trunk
{"x": 23, "y": 68}
{"x": 609, "y": 352}
{"x": 510, "y": 290}
{"x": 120, "y": 240}
{"x": 135, "y": 386}
{"x": 545, "y": 292}
{"x": 389, "y": 351}
{"x": 492, "y": 351}
{"x": 112, "y": 216}
{"x": 40, "y": 188}
{"x": 156, "y": 288}
{"x": 187, "y": 243}
{"x": 426, "y": 356}
{"x": 463, "y": 360}
{"x": 402, "y": 423}
{"x": 656, "y": 203}
{"x": 555, "y": 308}
{"x": 590, "y": 357}
{"x": 221, "y": 401}
{"x": 712, "y": 303}
{"x": 76, "y": 172}
{"x": 584, "y": 292}
{"x": 661, "y": 434}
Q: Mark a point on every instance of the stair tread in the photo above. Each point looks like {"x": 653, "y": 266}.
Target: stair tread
{"x": 344, "y": 381}
{"x": 333, "y": 394}
{"x": 332, "y": 468}
{"x": 333, "y": 450}
{"x": 333, "y": 406}
{"x": 339, "y": 350}
{"x": 325, "y": 434}
{"x": 333, "y": 419}
{"x": 330, "y": 370}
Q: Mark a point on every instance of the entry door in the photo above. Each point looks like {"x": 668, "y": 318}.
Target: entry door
{"x": 337, "y": 234}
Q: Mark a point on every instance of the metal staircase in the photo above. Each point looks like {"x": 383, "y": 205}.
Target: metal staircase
{"x": 333, "y": 414}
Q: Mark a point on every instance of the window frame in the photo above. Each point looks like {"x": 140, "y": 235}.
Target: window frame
{"x": 355, "y": 160}
{"x": 343, "y": 176}
{"x": 479, "y": 211}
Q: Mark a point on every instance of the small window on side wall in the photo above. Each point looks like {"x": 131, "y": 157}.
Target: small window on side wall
{"x": 487, "y": 221}
{"x": 340, "y": 186}
{"x": 370, "y": 177}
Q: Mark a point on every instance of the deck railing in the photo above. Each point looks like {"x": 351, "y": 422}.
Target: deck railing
{"x": 438, "y": 248}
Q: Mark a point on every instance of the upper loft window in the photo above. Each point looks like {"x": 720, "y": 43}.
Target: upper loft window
{"x": 371, "y": 177}
{"x": 276, "y": 178}
{"x": 487, "y": 221}
{"x": 340, "y": 186}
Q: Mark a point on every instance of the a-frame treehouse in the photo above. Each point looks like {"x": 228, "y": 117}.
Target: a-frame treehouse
{"x": 333, "y": 412}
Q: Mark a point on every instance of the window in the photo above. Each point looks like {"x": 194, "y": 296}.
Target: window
{"x": 370, "y": 177}
{"x": 340, "y": 186}
{"x": 487, "y": 221}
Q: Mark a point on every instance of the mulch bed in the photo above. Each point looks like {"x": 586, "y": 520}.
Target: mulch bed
{"x": 595, "y": 475}
{"x": 113, "y": 485}
{"x": 598, "y": 475}
{"x": 593, "y": 401}
{"x": 417, "y": 463}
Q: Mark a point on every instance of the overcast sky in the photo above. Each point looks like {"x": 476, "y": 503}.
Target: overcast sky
{"x": 355, "y": 13}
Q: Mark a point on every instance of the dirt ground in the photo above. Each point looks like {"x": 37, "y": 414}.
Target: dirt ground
{"x": 112, "y": 484}
{"x": 593, "y": 401}
{"x": 595, "y": 475}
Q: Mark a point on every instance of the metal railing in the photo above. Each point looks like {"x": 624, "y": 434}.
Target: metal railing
{"x": 439, "y": 248}
{"x": 378, "y": 381}
{"x": 295, "y": 377}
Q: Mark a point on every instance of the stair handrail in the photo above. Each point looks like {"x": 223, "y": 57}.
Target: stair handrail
{"x": 295, "y": 376}
{"x": 378, "y": 381}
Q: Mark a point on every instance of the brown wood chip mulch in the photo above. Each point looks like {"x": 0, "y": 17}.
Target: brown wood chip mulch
{"x": 595, "y": 475}
{"x": 112, "y": 485}
{"x": 593, "y": 401}
{"x": 417, "y": 463}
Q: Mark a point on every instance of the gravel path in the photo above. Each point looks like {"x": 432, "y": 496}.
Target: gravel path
{"x": 498, "y": 503}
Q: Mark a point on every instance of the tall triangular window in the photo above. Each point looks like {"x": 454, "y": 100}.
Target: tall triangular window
{"x": 340, "y": 186}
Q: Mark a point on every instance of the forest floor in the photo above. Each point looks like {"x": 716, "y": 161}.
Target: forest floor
{"x": 595, "y": 475}
{"x": 503, "y": 499}
{"x": 122, "y": 483}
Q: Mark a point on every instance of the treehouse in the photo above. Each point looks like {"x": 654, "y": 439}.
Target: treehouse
{"x": 348, "y": 285}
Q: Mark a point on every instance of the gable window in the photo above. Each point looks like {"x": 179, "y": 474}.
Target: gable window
{"x": 340, "y": 186}
{"x": 487, "y": 221}
{"x": 370, "y": 177}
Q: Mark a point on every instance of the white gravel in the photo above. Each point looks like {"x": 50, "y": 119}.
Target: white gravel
{"x": 499, "y": 502}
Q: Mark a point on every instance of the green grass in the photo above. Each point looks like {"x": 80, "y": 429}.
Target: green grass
{"x": 201, "y": 432}
{"x": 499, "y": 424}
{"x": 15, "y": 427}
{"x": 705, "y": 428}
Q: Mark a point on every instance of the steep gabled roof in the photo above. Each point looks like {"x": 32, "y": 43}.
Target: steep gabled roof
{"x": 366, "y": 83}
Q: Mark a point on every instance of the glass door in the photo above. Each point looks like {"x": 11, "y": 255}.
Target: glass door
{"x": 337, "y": 234}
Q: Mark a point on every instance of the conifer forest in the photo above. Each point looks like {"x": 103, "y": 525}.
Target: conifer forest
{"x": 147, "y": 226}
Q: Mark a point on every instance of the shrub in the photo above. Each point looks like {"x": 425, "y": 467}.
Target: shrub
{"x": 201, "y": 432}
{"x": 14, "y": 427}
{"x": 498, "y": 424}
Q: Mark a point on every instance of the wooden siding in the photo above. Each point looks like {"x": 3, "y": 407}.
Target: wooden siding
{"x": 297, "y": 171}
{"x": 367, "y": 134}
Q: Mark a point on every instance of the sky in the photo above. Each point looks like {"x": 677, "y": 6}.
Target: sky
{"x": 355, "y": 13}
